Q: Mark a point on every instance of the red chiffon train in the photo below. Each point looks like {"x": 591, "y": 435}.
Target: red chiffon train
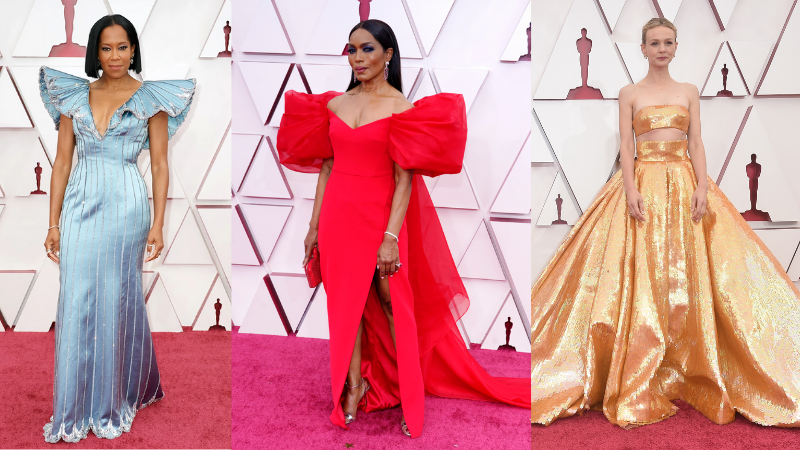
{"x": 427, "y": 294}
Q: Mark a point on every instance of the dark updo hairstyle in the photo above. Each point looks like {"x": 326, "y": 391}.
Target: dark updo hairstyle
{"x": 385, "y": 36}
{"x": 92, "y": 66}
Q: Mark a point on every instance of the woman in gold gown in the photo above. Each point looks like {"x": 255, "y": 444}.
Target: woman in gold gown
{"x": 661, "y": 291}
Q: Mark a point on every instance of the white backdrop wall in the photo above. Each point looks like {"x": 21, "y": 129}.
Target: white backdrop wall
{"x": 193, "y": 272}
{"x": 470, "y": 47}
{"x": 576, "y": 142}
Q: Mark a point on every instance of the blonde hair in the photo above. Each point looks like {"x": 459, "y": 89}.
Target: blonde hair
{"x": 658, "y": 22}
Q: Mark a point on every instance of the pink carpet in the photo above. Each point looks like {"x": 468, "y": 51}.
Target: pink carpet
{"x": 281, "y": 400}
{"x": 195, "y": 412}
{"x": 687, "y": 430}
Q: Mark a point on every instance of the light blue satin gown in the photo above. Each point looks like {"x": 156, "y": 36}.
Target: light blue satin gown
{"x": 105, "y": 366}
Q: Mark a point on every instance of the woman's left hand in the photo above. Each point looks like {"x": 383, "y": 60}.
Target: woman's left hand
{"x": 699, "y": 203}
{"x": 155, "y": 243}
{"x": 388, "y": 256}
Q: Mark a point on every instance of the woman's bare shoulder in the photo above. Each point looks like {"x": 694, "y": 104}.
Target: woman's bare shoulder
{"x": 401, "y": 104}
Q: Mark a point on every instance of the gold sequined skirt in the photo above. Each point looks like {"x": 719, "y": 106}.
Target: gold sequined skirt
{"x": 630, "y": 315}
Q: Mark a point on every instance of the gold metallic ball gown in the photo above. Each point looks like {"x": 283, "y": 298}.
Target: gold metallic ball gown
{"x": 630, "y": 315}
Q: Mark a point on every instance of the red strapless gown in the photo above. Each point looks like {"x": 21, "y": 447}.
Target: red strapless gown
{"x": 428, "y": 296}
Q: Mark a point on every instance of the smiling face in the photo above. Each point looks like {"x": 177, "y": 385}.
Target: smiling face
{"x": 660, "y": 45}
{"x": 366, "y": 56}
{"x": 115, "y": 51}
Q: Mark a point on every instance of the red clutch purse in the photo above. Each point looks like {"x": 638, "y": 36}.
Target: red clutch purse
{"x": 313, "y": 272}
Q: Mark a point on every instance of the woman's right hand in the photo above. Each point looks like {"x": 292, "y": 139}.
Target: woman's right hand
{"x": 635, "y": 204}
{"x": 309, "y": 243}
{"x": 53, "y": 243}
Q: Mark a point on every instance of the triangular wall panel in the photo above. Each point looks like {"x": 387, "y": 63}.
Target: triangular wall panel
{"x": 242, "y": 242}
{"x": 15, "y": 286}
{"x": 244, "y": 152}
{"x": 262, "y": 317}
{"x": 514, "y": 196}
{"x": 774, "y": 194}
{"x": 217, "y": 183}
{"x": 215, "y": 42}
{"x": 585, "y": 138}
{"x": 264, "y": 177}
{"x": 429, "y": 17}
{"x": 266, "y": 33}
{"x": 207, "y": 316}
{"x": 315, "y": 322}
{"x": 549, "y": 212}
{"x": 454, "y": 191}
{"x": 735, "y": 81}
{"x": 294, "y": 83}
{"x": 271, "y": 220}
{"x": 563, "y": 70}
{"x": 217, "y": 223}
{"x": 485, "y": 299}
{"x": 188, "y": 247}
{"x": 781, "y": 75}
{"x": 519, "y": 43}
{"x": 480, "y": 259}
{"x": 13, "y": 114}
{"x": 264, "y": 82}
{"x": 514, "y": 239}
{"x": 244, "y": 283}
{"x": 293, "y": 294}
{"x": 160, "y": 312}
{"x": 338, "y": 16}
{"x": 611, "y": 10}
{"x": 39, "y": 310}
{"x": 466, "y": 82}
{"x": 497, "y": 333}
{"x": 188, "y": 287}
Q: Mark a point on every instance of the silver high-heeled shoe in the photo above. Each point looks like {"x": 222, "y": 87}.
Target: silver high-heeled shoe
{"x": 404, "y": 427}
{"x": 348, "y": 418}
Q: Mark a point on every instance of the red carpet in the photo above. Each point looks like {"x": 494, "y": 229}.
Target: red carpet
{"x": 687, "y": 430}
{"x": 281, "y": 400}
{"x": 195, "y": 412}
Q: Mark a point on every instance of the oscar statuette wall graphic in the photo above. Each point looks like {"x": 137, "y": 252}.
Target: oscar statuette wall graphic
{"x": 559, "y": 202}
{"x": 68, "y": 48}
{"x": 753, "y": 172}
{"x": 227, "y": 30}
{"x": 509, "y": 325}
{"x": 38, "y": 171}
{"x": 584, "y": 91}
{"x": 217, "y": 309}
{"x": 725, "y": 92}
{"x": 363, "y": 14}
{"x": 527, "y": 56}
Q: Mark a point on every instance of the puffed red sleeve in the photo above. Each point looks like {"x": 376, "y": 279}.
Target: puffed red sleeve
{"x": 303, "y": 141}
{"x": 431, "y": 137}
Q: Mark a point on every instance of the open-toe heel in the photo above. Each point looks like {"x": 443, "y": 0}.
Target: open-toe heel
{"x": 348, "y": 418}
{"x": 404, "y": 427}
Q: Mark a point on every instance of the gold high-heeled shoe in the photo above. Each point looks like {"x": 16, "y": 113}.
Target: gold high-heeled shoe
{"x": 348, "y": 418}
{"x": 404, "y": 427}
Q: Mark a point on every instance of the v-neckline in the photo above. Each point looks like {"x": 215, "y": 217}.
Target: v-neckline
{"x": 360, "y": 126}
{"x": 91, "y": 112}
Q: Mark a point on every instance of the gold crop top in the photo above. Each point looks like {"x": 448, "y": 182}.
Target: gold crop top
{"x": 661, "y": 116}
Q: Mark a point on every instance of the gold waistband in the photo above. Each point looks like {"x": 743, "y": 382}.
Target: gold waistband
{"x": 662, "y": 150}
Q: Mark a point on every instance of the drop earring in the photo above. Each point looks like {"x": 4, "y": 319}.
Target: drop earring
{"x": 355, "y": 80}
{"x": 386, "y": 71}
{"x": 132, "y": 54}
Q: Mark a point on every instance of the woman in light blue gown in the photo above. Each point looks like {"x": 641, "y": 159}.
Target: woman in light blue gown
{"x": 101, "y": 230}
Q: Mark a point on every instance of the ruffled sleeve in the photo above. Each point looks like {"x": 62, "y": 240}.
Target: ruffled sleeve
{"x": 171, "y": 96}
{"x": 431, "y": 137}
{"x": 303, "y": 140}
{"x": 62, "y": 93}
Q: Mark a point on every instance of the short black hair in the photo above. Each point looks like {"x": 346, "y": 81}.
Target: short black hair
{"x": 91, "y": 66}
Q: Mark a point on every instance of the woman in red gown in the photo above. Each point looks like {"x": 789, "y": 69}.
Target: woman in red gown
{"x": 394, "y": 294}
